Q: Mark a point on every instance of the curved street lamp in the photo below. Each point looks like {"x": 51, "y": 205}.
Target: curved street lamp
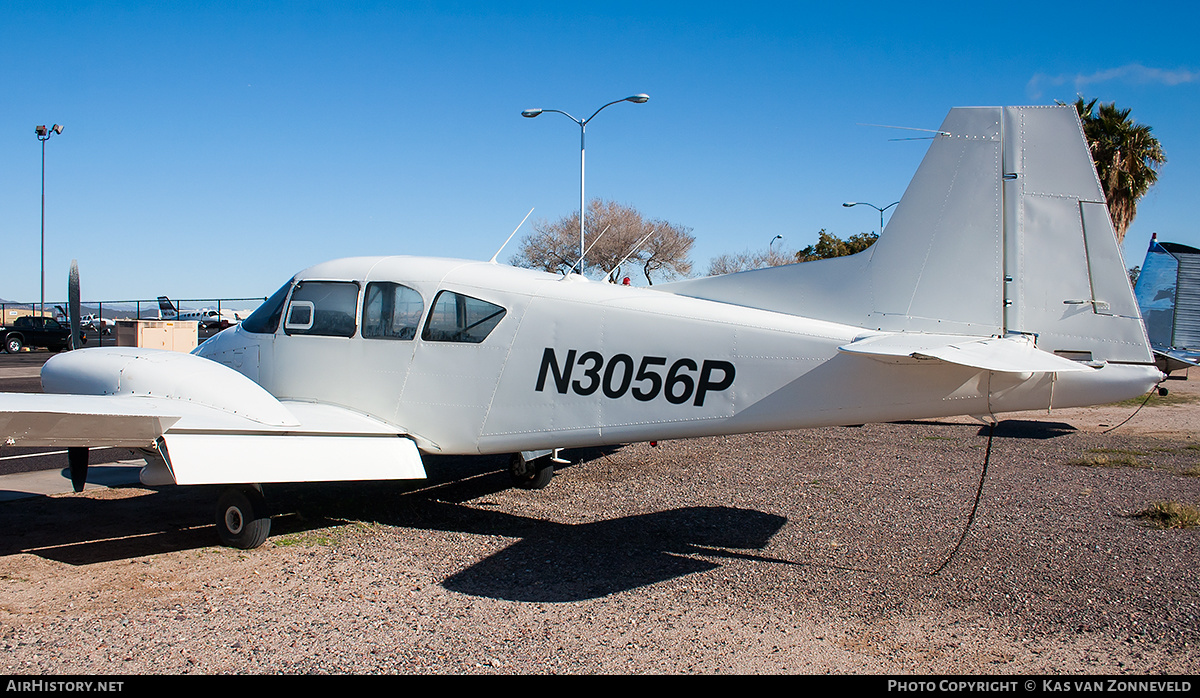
{"x": 44, "y": 134}
{"x": 850, "y": 204}
{"x": 531, "y": 113}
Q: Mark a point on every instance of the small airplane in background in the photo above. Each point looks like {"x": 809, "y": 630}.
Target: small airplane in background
{"x": 90, "y": 321}
{"x": 997, "y": 286}
{"x": 207, "y": 317}
{"x": 99, "y": 324}
{"x": 1168, "y": 294}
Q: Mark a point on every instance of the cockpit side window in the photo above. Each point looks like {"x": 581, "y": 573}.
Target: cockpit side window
{"x": 391, "y": 311}
{"x": 265, "y": 320}
{"x": 326, "y": 308}
{"x": 458, "y": 318}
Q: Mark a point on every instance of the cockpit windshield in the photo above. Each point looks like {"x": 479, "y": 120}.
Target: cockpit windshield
{"x": 265, "y": 320}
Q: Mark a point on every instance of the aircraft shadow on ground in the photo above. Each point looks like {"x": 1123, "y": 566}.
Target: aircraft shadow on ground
{"x": 82, "y": 530}
{"x": 1018, "y": 428}
{"x": 550, "y": 561}
{"x": 572, "y": 562}
{"x": 1029, "y": 429}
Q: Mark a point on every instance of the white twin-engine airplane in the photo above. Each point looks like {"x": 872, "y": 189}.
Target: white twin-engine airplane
{"x": 205, "y": 316}
{"x": 997, "y": 286}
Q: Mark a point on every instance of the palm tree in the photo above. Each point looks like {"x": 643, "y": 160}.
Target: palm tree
{"x": 1127, "y": 158}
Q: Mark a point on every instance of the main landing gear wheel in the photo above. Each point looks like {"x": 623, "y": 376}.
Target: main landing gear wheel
{"x": 530, "y": 474}
{"x": 241, "y": 518}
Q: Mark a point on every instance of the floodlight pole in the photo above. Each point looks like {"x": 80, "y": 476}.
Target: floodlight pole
{"x": 531, "y": 113}
{"x": 849, "y": 204}
{"x": 43, "y": 135}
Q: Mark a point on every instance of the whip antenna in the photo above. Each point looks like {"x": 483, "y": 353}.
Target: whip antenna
{"x": 510, "y": 237}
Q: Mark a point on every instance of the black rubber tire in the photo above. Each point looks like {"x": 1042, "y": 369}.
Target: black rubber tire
{"x": 13, "y": 344}
{"x": 241, "y": 518}
{"x": 530, "y": 475}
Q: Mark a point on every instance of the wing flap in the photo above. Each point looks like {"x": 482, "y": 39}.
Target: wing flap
{"x": 224, "y": 458}
{"x": 1012, "y": 354}
{"x": 330, "y": 443}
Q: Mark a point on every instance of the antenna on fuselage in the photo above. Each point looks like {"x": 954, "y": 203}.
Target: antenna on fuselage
{"x": 631, "y": 251}
{"x": 936, "y": 132}
{"x": 510, "y": 237}
{"x": 589, "y": 249}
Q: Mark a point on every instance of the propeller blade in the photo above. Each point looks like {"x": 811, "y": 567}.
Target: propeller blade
{"x": 73, "y": 311}
{"x": 77, "y": 462}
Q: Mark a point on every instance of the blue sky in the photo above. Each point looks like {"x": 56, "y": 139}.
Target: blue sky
{"x": 214, "y": 149}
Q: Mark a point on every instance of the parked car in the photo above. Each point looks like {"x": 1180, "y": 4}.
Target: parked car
{"x": 31, "y": 331}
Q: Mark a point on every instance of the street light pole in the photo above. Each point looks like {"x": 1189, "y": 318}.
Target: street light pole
{"x": 531, "y": 113}
{"x": 44, "y": 135}
{"x": 849, "y": 204}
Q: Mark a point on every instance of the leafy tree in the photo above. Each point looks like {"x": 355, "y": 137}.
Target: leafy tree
{"x": 658, "y": 247}
{"x": 829, "y": 246}
{"x": 1127, "y": 158}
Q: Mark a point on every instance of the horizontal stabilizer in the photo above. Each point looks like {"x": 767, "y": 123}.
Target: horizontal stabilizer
{"x": 1172, "y": 360}
{"x": 1013, "y": 354}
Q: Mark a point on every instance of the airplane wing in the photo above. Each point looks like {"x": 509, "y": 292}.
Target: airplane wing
{"x": 214, "y": 426}
{"x": 1012, "y": 354}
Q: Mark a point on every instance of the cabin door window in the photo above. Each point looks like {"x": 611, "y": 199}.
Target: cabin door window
{"x": 326, "y": 308}
{"x": 391, "y": 311}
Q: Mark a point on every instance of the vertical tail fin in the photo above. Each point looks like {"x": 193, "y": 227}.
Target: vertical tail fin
{"x": 166, "y": 309}
{"x": 1003, "y": 229}
{"x": 1069, "y": 284}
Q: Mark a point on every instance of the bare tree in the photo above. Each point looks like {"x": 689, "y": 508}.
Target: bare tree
{"x": 625, "y": 237}
{"x": 729, "y": 263}
{"x": 666, "y": 251}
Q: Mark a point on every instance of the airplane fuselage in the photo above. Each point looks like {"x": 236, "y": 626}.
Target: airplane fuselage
{"x": 572, "y": 362}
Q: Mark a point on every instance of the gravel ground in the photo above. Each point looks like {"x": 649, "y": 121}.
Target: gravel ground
{"x": 797, "y": 552}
